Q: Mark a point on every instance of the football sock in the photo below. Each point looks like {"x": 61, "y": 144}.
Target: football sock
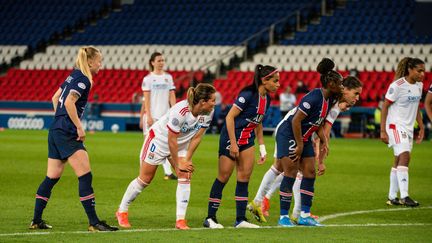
{"x": 241, "y": 197}
{"x": 266, "y": 184}
{"x": 306, "y": 195}
{"x": 215, "y": 198}
{"x": 87, "y": 197}
{"x": 402, "y": 176}
{"x": 285, "y": 194}
{"x": 42, "y": 196}
{"x": 133, "y": 190}
{"x": 275, "y": 186}
{"x": 297, "y": 198}
{"x": 394, "y": 185}
{"x": 167, "y": 167}
{"x": 182, "y": 197}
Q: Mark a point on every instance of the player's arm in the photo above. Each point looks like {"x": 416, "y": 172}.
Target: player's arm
{"x": 428, "y": 105}
{"x": 419, "y": 120}
{"x": 296, "y": 126}
{"x": 147, "y": 108}
{"x": 71, "y": 99}
{"x": 193, "y": 145}
{"x": 182, "y": 165}
{"x": 172, "y": 98}
{"x": 232, "y": 114}
{"x": 384, "y": 113}
{"x": 262, "y": 149}
{"x": 55, "y": 98}
{"x": 142, "y": 112}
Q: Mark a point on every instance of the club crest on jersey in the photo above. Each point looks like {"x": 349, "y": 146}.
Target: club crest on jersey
{"x": 68, "y": 79}
{"x": 151, "y": 156}
{"x": 306, "y": 105}
{"x": 201, "y": 119}
{"x": 333, "y": 114}
{"x": 175, "y": 122}
{"x": 81, "y": 85}
{"x": 241, "y": 100}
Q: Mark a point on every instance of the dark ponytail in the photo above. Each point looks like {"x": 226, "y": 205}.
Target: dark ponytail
{"x": 405, "y": 64}
{"x": 152, "y": 59}
{"x": 260, "y": 73}
{"x": 325, "y": 68}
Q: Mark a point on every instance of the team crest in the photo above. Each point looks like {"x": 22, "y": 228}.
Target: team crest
{"x": 151, "y": 156}
{"x": 175, "y": 122}
{"x": 306, "y": 105}
{"x": 404, "y": 135}
{"x": 391, "y": 90}
{"x": 201, "y": 120}
{"x": 81, "y": 85}
{"x": 241, "y": 100}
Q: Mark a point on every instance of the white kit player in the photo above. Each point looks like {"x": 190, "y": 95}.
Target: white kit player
{"x": 399, "y": 113}
{"x": 176, "y": 135}
{"x": 159, "y": 96}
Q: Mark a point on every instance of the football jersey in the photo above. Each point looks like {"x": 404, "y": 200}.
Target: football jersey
{"x": 159, "y": 87}
{"x": 76, "y": 83}
{"x": 253, "y": 108}
{"x": 315, "y": 107}
{"x": 430, "y": 89}
{"x": 405, "y": 98}
{"x": 333, "y": 114}
{"x": 180, "y": 120}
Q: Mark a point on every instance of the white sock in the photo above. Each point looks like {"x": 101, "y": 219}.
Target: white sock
{"x": 297, "y": 197}
{"x": 394, "y": 185}
{"x": 167, "y": 167}
{"x": 132, "y": 191}
{"x": 275, "y": 186}
{"x": 182, "y": 197}
{"x": 266, "y": 183}
{"x": 402, "y": 176}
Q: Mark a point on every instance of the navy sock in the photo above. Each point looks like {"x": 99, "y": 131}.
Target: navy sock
{"x": 42, "y": 195}
{"x": 87, "y": 197}
{"x": 307, "y": 193}
{"x": 215, "y": 198}
{"x": 285, "y": 194}
{"x": 241, "y": 197}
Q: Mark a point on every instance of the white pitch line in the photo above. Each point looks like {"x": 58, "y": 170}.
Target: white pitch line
{"x": 337, "y": 215}
{"x": 321, "y": 219}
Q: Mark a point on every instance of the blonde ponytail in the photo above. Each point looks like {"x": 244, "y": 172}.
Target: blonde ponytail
{"x": 401, "y": 68}
{"x": 84, "y": 54}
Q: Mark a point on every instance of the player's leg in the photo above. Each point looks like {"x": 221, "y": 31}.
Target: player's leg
{"x": 182, "y": 198}
{"x": 168, "y": 173}
{"x": 245, "y": 164}
{"x": 54, "y": 172}
{"x": 297, "y": 198}
{"x": 225, "y": 169}
{"x": 307, "y": 190}
{"x": 290, "y": 168}
{"x": 394, "y": 185}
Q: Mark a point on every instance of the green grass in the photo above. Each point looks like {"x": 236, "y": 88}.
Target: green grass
{"x": 357, "y": 179}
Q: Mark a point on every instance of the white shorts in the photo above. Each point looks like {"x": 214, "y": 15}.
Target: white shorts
{"x": 399, "y": 139}
{"x": 155, "y": 152}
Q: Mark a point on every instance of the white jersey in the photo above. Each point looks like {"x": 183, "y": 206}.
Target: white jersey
{"x": 405, "y": 98}
{"x": 181, "y": 121}
{"x": 333, "y": 114}
{"x": 159, "y": 87}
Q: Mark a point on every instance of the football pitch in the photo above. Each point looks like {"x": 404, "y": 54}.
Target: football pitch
{"x": 350, "y": 198}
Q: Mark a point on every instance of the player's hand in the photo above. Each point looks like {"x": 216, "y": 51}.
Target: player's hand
{"x": 296, "y": 154}
{"x": 321, "y": 169}
{"x": 234, "y": 150}
{"x": 420, "y": 136}
{"x": 149, "y": 121}
{"x": 324, "y": 148}
{"x": 81, "y": 134}
{"x": 185, "y": 166}
{"x": 263, "y": 154}
{"x": 384, "y": 137}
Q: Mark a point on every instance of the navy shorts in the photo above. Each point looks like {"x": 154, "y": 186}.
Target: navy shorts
{"x": 61, "y": 145}
{"x": 224, "y": 145}
{"x": 285, "y": 142}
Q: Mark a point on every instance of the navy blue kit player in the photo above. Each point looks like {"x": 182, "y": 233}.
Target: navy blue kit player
{"x": 236, "y": 144}
{"x": 65, "y": 140}
{"x": 294, "y": 147}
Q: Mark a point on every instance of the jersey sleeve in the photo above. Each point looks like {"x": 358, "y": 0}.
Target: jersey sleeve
{"x": 243, "y": 99}
{"x": 333, "y": 114}
{"x": 80, "y": 86}
{"x": 145, "y": 86}
{"x": 392, "y": 92}
{"x": 176, "y": 118}
{"x": 309, "y": 103}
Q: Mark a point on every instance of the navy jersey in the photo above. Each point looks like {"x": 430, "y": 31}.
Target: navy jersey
{"x": 253, "y": 108}
{"x": 77, "y": 83}
{"x": 315, "y": 107}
